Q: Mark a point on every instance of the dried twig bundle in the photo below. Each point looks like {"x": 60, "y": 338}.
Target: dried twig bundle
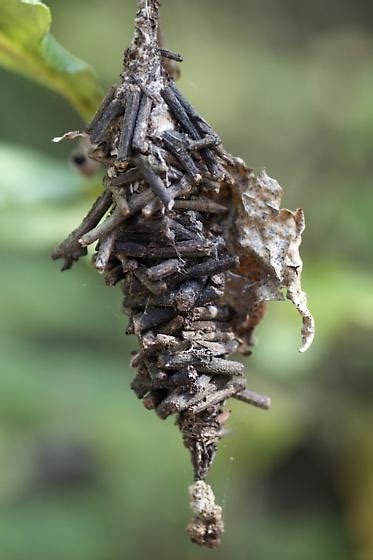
{"x": 198, "y": 244}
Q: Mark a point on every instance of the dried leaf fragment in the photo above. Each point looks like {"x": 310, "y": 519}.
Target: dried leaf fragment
{"x": 267, "y": 239}
{"x": 70, "y": 136}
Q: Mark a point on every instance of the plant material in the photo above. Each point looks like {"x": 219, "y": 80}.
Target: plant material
{"x": 198, "y": 243}
{"x": 28, "y": 47}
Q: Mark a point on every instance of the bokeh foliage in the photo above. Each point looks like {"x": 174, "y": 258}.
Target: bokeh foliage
{"x": 86, "y": 472}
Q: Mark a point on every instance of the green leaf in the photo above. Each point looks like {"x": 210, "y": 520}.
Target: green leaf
{"x": 27, "y": 47}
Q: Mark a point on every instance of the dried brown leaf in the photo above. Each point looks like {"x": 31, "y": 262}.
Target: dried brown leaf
{"x": 267, "y": 239}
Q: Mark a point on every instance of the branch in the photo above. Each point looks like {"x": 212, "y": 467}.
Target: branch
{"x": 142, "y": 59}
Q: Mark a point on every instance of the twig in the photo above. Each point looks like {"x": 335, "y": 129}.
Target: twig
{"x": 142, "y": 123}
{"x": 105, "y": 251}
{"x": 129, "y": 123}
{"x": 201, "y": 205}
{"x": 70, "y": 249}
{"x": 154, "y": 181}
{"x": 102, "y": 229}
{"x": 249, "y": 397}
{"x": 171, "y": 55}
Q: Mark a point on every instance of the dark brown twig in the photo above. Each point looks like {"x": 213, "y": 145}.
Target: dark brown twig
{"x": 142, "y": 124}
{"x": 171, "y": 55}
{"x": 70, "y": 249}
{"x": 154, "y": 181}
{"x": 129, "y": 123}
{"x": 249, "y": 397}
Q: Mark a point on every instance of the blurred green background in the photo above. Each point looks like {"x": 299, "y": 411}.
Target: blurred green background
{"x": 86, "y": 473}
